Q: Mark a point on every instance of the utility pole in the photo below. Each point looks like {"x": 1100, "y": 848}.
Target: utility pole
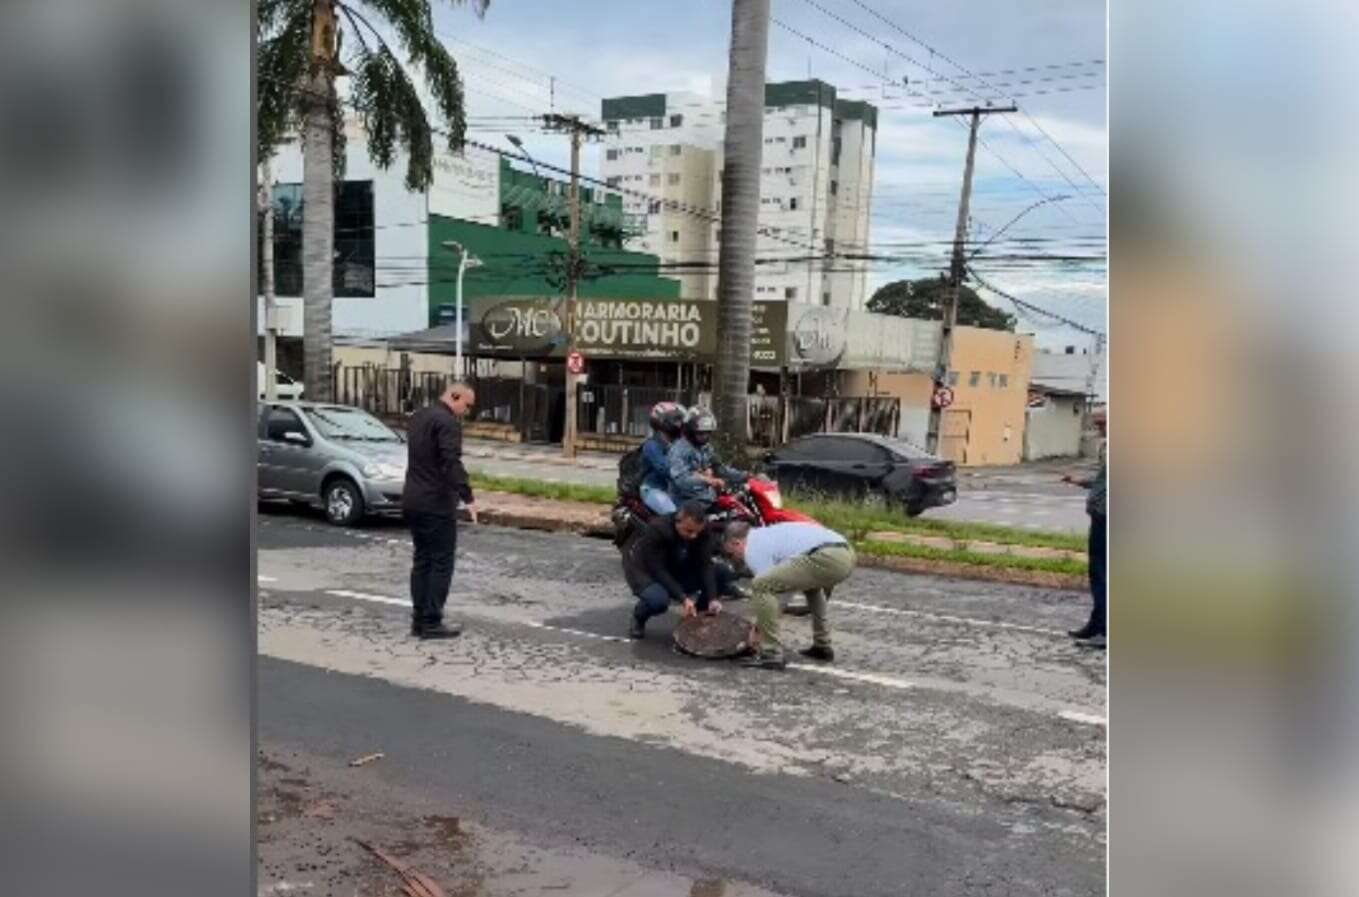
{"x": 957, "y": 267}
{"x": 578, "y": 131}
{"x": 266, "y": 206}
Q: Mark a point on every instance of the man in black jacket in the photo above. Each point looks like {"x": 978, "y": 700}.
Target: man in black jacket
{"x": 435, "y": 481}
{"x": 671, "y": 559}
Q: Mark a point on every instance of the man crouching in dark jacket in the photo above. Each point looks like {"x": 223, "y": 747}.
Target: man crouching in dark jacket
{"x": 671, "y": 559}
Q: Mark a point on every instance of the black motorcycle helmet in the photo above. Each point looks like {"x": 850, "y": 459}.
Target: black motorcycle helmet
{"x": 668, "y": 418}
{"x": 699, "y": 426}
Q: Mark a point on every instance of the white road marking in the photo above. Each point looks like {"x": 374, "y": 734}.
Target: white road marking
{"x": 874, "y": 678}
{"x": 1077, "y": 716}
{"x": 580, "y": 632}
{"x": 266, "y": 579}
{"x": 364, "y": 596}
{"x": 945, "y": 618}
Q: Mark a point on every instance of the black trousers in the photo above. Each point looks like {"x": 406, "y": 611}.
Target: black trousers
{"x": 436, "y": 541}
{"x": 1099, "y": 566}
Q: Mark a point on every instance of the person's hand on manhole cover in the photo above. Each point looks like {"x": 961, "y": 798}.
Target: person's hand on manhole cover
{"x": 690, "y": 609}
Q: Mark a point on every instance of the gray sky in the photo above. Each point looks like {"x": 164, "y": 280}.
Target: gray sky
{"x": 981, "y": 48}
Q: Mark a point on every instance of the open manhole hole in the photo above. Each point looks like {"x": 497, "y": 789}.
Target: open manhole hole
{"x": 713, "y": 637}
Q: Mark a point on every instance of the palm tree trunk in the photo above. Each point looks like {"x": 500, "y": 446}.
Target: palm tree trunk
{"x": 318, "y": 211}
{"x": 744, "y": 145}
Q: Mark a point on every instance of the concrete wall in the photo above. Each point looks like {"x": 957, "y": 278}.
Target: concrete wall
{"x": 914, "y": 391}
{"x": 1000, "y": 362}
{"x": 1054, "y": 430}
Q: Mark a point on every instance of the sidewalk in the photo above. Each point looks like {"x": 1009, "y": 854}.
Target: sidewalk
{"x": 537, "y": 454}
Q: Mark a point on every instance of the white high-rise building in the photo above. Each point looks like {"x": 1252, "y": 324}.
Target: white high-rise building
{"x": 816, "y": 188}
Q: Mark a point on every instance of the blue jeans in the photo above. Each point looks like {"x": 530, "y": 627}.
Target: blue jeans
{"x": 658, "y": 500}
{"x": 654, "y": 600}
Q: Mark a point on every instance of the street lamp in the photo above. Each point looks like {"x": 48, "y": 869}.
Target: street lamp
{"x": 465, "y": 261}
{"x": 519, "y": 145}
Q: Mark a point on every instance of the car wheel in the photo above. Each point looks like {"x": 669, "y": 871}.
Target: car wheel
{"x": 343, "y": 502}
{"x": 914, "y": 510}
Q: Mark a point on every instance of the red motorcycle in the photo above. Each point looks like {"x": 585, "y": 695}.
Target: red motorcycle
{"x": 756, "y": 501}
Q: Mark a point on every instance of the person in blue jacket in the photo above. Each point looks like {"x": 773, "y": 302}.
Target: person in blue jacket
{"x": 667, "y": 420}
{"x": 696, "y": 474}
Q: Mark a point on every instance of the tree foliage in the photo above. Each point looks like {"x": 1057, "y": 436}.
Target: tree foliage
{"x": 925, "y": 299}
{"x": 383, "y": 81}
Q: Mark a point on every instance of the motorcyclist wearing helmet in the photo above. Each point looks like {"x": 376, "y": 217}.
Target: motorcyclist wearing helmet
{"x": 667, "y": 422}
{"x": 695, "y": 472}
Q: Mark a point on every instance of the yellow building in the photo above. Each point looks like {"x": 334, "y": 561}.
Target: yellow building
{"x": 989, "y": 376}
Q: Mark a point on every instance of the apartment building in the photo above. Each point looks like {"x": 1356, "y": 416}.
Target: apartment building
{"x": 816, "y": 188}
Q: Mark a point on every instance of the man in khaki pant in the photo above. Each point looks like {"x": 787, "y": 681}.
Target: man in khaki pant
{"x": 789, "y": 557}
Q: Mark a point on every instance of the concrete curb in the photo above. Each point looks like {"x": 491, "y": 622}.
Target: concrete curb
{"x": 534, "y": 514}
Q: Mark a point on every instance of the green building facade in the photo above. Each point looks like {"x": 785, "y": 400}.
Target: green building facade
{"x": 524, "y": 254}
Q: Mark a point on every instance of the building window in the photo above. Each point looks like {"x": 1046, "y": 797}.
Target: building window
{"x": 1004, "y": 381}
{"x": 611, "y": 155}
{"x": 674, "y": 236}
{"x": 835, "y": 188}
{"x": 614, "y": 181}
{"x": 657, "y": 124}
{"x": 991, "y": 377}
{"x": 974, "y": 379}
{"x": 830, "y": 246}
{"x": 952, "y": 378}
{"x": 790, "y": 293}
{"x": 354, "y": 250}
{"x": 674, "y": 149}
{"x": 612, "y": 125}
{"x": 825, "y": 298}
{"x": 676, "y": 121}
{"x": 654, "y": 207}
{"x": 835, "y": 151}
{"x": 792, "y": 204}
{"x": 512, "y": 217}
{"x": 799, "y": 142}
{"x": 655, "y": 180}
{"x": 673, "y": 179}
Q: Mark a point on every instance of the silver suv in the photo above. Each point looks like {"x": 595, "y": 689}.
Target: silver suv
{"x": 335, "y": 457}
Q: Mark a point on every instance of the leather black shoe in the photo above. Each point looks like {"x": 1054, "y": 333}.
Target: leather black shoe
{"x": 637, "y": 630}
{"x": 798, "y": 610}
{"x": 823, "y": 653}
{"x": 1085, "y": 632}
{"x": 440, "y": 631}
{"x": 765, "y": 662}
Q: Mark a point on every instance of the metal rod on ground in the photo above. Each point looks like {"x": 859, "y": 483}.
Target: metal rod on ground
{"x": 932, "y": 438}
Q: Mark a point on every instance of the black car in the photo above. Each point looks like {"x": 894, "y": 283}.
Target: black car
{"x": 853, "y": 465}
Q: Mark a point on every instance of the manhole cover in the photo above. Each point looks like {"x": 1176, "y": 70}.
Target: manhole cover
{"x": 723, "y": 635}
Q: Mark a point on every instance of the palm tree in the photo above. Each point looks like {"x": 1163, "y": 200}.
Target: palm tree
{"x": 300, "y": 56}
{"x": 744, "y": 144}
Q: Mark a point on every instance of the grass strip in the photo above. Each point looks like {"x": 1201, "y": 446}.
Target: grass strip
{"x": 602, "y": 495}
{"x": 973, "y": 558}
{"x": 854, "y": 519}
{"x": 857, "y": 519}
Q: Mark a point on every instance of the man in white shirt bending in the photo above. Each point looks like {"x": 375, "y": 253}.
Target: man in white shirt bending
{"x": 789, "y": 557}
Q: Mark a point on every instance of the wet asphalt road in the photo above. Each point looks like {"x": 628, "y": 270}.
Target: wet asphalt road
{"x": 957, "y": 747}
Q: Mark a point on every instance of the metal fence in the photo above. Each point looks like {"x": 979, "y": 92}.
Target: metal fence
{"x": 622, "y": 410}
{"x": 534, "y": 410}
{"x": 537, "y": 411}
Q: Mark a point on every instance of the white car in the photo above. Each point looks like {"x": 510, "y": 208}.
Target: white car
{"x": 288, "y": 389}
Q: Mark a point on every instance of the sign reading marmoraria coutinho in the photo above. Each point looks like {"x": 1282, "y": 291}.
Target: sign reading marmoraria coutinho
{"x": 656, "y": 326}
